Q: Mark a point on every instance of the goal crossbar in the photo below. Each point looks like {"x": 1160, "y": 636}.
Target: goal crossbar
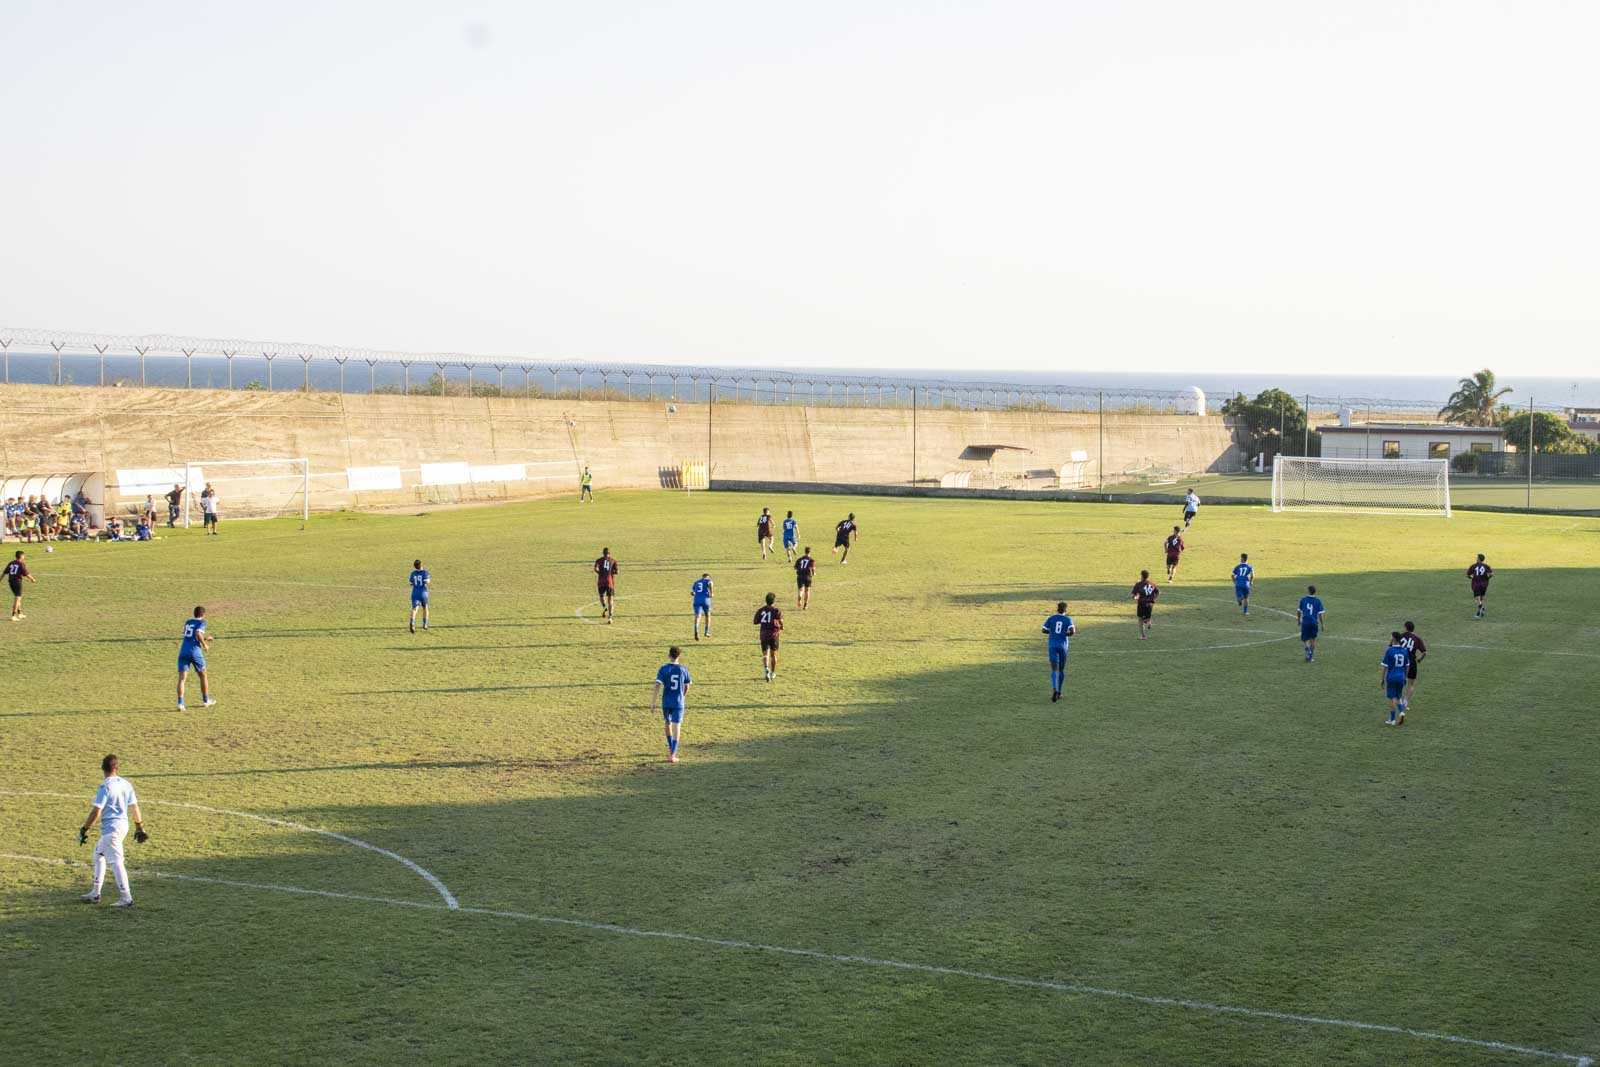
{"x": 1361, "y": 486}
{"x": 293, "y": 473}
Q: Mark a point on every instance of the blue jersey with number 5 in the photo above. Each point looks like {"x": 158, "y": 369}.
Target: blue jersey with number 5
{"x": 674, "y": 679}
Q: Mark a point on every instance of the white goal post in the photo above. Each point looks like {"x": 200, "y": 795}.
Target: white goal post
{"x": 249, "y": 488}
{"x": 1371, "y": 486}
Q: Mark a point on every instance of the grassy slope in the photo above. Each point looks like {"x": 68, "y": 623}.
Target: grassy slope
{"x": 1204, "y": 815}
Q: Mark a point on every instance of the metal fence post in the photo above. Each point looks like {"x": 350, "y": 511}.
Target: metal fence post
{"x": 229, "y": 356}
{"x": 1530, "y": 454}
{"x": 269, "y": 370}
{"x": 58, "y": 349}
{"x": 5, "y": 347}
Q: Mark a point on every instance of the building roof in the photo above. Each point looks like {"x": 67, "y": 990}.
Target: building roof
{"x": 1435, "y": 428}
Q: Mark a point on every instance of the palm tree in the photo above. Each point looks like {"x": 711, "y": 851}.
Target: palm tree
{"x": 1474, "y": 401}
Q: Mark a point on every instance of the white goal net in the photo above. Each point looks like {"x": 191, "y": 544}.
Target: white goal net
{"x": 1382, "y": 486}
{"x": 247, "y": 489}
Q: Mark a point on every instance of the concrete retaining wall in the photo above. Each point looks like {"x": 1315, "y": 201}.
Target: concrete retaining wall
{"x": 627, "y": 444}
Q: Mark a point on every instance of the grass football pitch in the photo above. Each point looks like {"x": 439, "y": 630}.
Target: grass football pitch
{"x": 900, "y": 852}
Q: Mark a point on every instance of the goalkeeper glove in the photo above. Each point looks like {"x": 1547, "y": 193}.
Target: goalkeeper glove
{"x": 83, "y": 835}
{"x": 140, "y": 836}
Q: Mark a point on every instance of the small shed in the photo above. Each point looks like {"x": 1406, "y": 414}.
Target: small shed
{"x": 1395, "y": 440}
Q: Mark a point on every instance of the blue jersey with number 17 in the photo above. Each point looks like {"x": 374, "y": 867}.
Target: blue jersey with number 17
{"x": 1243, "y": 574}
{"x": 1057, "y": 629}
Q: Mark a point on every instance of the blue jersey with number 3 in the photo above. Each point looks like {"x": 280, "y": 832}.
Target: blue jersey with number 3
{"x": 674, "y": 679}
{"x": 702, "y": 590}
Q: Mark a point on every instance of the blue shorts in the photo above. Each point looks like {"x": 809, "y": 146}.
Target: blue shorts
{"x": 1058, "y": 658}
{"x": 788, "y": 542}
{"x": 1395, "y": 687}
{"x": 702, "y": 605}
{"x": 419, "y": 599}
{"x": 672, "y": 714}
{"x": 1308, "y": 633}
{"x": 1241, "y": 592}
{"x": 191, "y": 658}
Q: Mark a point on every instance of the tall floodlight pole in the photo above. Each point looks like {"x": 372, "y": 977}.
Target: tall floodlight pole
{"x": 913, "y": 437}
{"x": 1100, "y": 463}
{"x": 1305, "y": 442}
{"x": 711, "y": 400}
{"x": 1530, "y": 454}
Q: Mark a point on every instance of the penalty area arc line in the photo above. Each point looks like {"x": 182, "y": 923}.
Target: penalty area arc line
{"x": 426, "y": 875}
{"x": 1072, "y": 988}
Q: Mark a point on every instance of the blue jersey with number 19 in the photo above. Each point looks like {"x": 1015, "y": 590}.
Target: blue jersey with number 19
{"x": 419, "y": 585}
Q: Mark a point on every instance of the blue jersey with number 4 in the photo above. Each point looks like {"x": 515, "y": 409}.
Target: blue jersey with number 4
{"x": 1243, "y": 574}
{"x": 1394, "y": 663}
{"x": 674, "y": 679}
{"x": 419, "y": 585}
{"x": 702, "y": 590}
{"x": 1310, "y": 611}
{"x": 791, "y": 530}
{"x": 1057, "y": 629}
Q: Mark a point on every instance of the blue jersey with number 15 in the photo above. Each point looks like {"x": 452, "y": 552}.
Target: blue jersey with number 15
{"x": 790, "y": 530}
{"x": 191, "y": 634}
{"x": 1243, "y": 574}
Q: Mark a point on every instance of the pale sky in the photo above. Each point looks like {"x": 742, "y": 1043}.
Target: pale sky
{"x": 1341, "y": 187}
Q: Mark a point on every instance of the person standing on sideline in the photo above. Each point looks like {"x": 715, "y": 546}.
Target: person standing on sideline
{"x": 1191, "y": 508}
{"x": 17, "y": 570}
{"x": 1416, "y": 648}
{"x": 1057, "y": 629}
{"x": 672, "y": 685}
{"x": 1244, "y": 576}
{"x": 1312, "y": 620}
{"x": 114, "y": 805}
{"x": 605, "y": 569}
{"x": 1479, "y": 574}
{"x": 174, "y": 503}
{"x": 192, "y": 653}
{"x": 419, "y": 593}
{"x": 586, "y": 486}
{"x": 701, "y": 591}
{"x": 791, "y": 538}
{"x": 1144, "y": 595}
{"x": 208, "y": 509}
{"x": 150, "y": 509}
{"x": 1393, "y": 668}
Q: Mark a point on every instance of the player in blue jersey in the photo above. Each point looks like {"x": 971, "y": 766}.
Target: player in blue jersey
{"x": 419, "y": 594}
{"x": 1393, "y": 668}
{"x": 1244, "y": 576}
{"x": 702, "y": 603}
{"x": 791, "y": 537}
{"x": 672, "y": 685}
{"x": 192, "y": 654}
{"x": 1311, "y": 619}
{"x": 1057, "y": 628}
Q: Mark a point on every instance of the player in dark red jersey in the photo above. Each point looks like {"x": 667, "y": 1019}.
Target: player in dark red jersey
{"x": 1479, "y": 574}
{"x": 804, "y": 569}
{"x": 764, "y": 532}
{"x": 605, "y": 569}
{"x": 17, "y": 570}
{"x": 843, "y": 535}
{"x": 1416, "y": 648}
{"x": 1173, "y": 546}
{"x": 770, "y": 619}
{"x": 1145, "y": 593}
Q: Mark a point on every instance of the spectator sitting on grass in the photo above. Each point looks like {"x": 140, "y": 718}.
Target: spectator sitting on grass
{"x": 145, "y": 530}
{"x": 114, "y": 529}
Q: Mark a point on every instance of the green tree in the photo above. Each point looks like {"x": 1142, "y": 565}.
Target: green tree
{"x": 1262, "y": 419}
{"x": 1551, "y": 434}
{"x": 1475, "y": 400}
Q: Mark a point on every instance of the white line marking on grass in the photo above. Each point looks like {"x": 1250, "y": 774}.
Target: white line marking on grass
{"x": 426, "y": 875}
{"x": 865, "y": 961}
{"x": 1440, "y": 644}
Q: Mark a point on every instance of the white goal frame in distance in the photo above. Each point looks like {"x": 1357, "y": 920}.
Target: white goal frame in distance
{"x": 1432, "y": 480}
{"x": 191, "y": 490}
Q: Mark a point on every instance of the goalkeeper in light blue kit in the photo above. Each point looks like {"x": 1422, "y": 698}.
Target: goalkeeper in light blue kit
{"x": 1057, "y": 629}
{"x": 1244, "y": 576}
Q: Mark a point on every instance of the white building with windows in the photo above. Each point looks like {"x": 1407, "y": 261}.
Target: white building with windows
{"x": 1394, "y": 440}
